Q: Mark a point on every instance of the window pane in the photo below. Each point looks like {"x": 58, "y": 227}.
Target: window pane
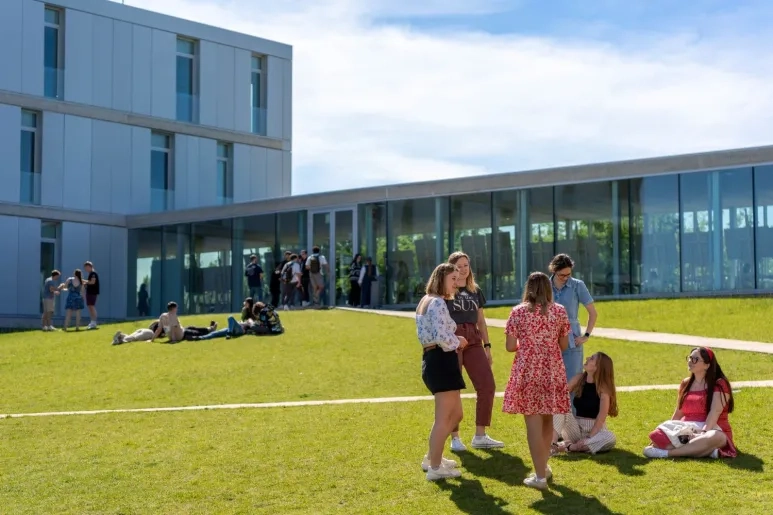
{"x": 159, "y": 140}
{"x": 255, "y": 91}
{"x": 27, "y": 152}
{"x": 256, "y": 62}
{"x": 737, "y": 248}
{"x": 508, "y": 222}
{"x": 185, "y": 46}
{"x": 159, "y": 164}
{"x": 144, "y": 274}
{"x": 415, "y": 246}
{"x": 292, "y": 232}
{"x": 257, "y": 235}
{"x": 541, "y": 230}
{"x": 585, "y": 231}
{"x": 185, "y": 75}
{"x": 373, "y": 244}
{"x": 29, "y": 119}
{"x": 51, "y": 47}
{"x": 210, "y": 267}
{"x": 763, "y": 189}
{"x": 49, "y": 230}
{"x": 52, "y": 16}
{"x": 222, "y": 184}
{"x": 471, "y": 223}
{"x": 222, "y": 150}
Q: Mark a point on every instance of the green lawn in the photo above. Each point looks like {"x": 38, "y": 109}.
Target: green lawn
{"x": 323, "y": 355}
{"x": 736, "y": 318}
{"x": 361, "y": 459}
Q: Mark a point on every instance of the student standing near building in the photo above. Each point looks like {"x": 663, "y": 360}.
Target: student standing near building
{"x": 368, "y": 276}
{"x": 466, "y": 310}
{"x": 50, "y": 292}
{"x": 316, "y": 263}
{"x": 254, "y": 274}
{"x": 92, "y": 293}
{"x": 74, "y": 302}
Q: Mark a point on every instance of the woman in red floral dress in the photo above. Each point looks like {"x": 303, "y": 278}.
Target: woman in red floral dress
{"x": 538, "y": 331}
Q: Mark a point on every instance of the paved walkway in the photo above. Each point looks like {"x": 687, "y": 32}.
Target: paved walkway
{"x": 377, "y": 400}
{"x": 630, "y": 335}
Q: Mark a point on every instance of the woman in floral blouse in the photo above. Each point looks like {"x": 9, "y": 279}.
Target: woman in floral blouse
{"x": 440, "y": 366}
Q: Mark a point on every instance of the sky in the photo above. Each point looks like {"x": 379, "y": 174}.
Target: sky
{"x": 395, "y": 91}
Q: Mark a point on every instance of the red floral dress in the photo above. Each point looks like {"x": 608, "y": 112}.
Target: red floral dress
{"x": 694, "y": 410}
{"x": 537, "y": 384}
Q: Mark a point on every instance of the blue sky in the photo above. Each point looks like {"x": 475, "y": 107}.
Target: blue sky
{"x": 391, "y": 91}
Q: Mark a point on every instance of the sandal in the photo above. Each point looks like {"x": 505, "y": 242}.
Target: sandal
{"x": 556, "y": 448}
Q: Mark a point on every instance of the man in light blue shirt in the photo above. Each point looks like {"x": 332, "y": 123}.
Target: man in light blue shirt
{"x": 570, "y": 293}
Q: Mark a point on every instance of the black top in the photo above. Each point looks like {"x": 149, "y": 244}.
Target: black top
{"x": 253, "y": 272}
{"x": 465, "y": 305}
{"x": 93, "y": 289}
{"x": 588, "y": 405}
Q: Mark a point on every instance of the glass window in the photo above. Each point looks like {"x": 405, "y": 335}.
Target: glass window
{"x": 30, "y": 184}
{"x": 471, "y": 226}
{"x": 53, "y": 59}
{"x": 763, "y": 192}
{"x": 186, "y": 81}
{"x": 256, "y": 96}
{"x": 736, "y": 198}
{"x": 508, "y": 214}
{"x": 655, "y": 259}
{"x": 144, "y": 274}
{"x": 291, "y": 232}
{"x": 161, "y": 180}
{"x": 585, "y": 231}
{"x": 175, "y": 278}
{"x": 416, "y": 235}
{"x": 225, "y": 191}
{"x": 209, "y": 267}
{"x": 373, "y": 243}
{"x": 186, "y": 46}
{"x": 542, "y": 232}
{"x": 257, "y": 235}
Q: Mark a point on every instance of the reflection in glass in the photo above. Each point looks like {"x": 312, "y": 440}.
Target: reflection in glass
{"x": 507, "y": 220}
{"x": 344, "y": 253}
{"x": 145, "y": 256}
{"x": 471, "y": 226}
{"x": 541, "y": 229}
{"x": 372, "y": 220}
{"x": 736, "y": 198}
{"x": 763, "y": 191}
{"x": 292, "y": 231}
{"x": 655, "y": 261}
{"x": 256, "y": 235}
{"x": 210, "y": 267}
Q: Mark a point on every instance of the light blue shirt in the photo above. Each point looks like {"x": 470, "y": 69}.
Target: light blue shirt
{"x": 570, "y": 296}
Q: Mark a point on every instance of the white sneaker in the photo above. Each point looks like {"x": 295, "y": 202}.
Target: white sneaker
{"x": 46, "y": 328}
{"x": 442, "y": 473}
{"x": 52, "y": 328}
{"x": 486, "y": 442}
{"x": 449, "y": 464}
{"x": 533, "y": 482}
{"x": 92, "y": 325}
{"x": 457, "y": 445}
{"x": 654, "y": 452}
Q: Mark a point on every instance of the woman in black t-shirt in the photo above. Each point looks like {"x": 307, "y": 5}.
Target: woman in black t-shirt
{"x": 466, "y": 309}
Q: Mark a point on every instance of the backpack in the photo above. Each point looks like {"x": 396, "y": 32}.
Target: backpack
{"x": 287, "y": 272}
{"x": 314, "y": 264}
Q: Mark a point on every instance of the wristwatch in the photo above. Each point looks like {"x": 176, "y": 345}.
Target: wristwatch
{"x": 587, "y": 335}
{"x": 486, "y": 345}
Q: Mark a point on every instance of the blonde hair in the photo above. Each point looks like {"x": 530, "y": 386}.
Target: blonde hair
{"x": 471, "y": 285}
{"x": 436, "y": 285}
{"x": 538, "y": 292}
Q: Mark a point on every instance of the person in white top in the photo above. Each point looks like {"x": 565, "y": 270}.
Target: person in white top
{"x": 440, "y": 366}
{"x": 315, "y": 264}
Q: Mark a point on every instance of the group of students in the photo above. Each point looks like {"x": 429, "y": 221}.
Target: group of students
{"x": 80, "y": 293}
{"x": 565, "y": 401}
{"x": 257, "y": 318}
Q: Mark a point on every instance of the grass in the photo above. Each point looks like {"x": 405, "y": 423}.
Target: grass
{"x": 360, "y": 459}
{"x": 335, "y": 458}
{"x": 324, "y": 355}
{"x": 735, "y": 318}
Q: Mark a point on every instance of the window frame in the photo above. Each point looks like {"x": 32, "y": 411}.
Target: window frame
{"x": 228, "y": 187}
{"x": 59, "y": 26}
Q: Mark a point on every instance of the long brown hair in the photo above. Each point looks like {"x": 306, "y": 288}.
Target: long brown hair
{"x": 471, "y": 285}
{"x": 436, "y": 285}
{"x": 538, "y": 292}
{"x": 604, "y": 379}
{"x": 713, "y": 374}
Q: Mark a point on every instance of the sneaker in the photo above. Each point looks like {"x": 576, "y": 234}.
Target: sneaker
{"x": 92, "y": 325}
{"x": 654, "y": 452}
{"x": 714, "y": 454}
{"x": 52, "y": 328}
{"x": 533, "y": 482}
{"x": 442, "y": 473}
{"x": 457, "y": 445}
{"x": 486, "y": 442}
{"x": 45, "y": 328}
{"x": 449, "y": 464}
{"x": 548, "y": 473}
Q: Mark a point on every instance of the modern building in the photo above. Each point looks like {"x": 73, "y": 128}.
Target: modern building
{"x": 160, "y": 149}
{"x": 108, "y": 111}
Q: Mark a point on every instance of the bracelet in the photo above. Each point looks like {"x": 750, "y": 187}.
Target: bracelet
{"x": 486, "y": 345}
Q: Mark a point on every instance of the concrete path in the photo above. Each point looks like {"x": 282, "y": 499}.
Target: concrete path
{"x": 377, "y": 400}
{"x": 629, "y": 335}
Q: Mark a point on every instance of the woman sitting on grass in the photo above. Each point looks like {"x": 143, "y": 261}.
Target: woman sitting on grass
{"x": 440, "y": 366}
{"x": 594, "y": 399}
{"x": 248, "y": 309}
{"x": 705, "y": 399}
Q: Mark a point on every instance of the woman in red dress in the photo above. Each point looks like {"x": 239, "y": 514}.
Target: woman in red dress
{"x": 695, "y": 404}
{"x": 538, "y": 331}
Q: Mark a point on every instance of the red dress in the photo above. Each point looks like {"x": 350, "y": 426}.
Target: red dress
{"x": 694, "y": 410}
{"x": 537, "y": 384}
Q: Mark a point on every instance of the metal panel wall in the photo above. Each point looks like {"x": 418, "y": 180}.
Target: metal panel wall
{"x": 274, "y": 167}
{"x": 78, "y": 58}
{"x": 10, "y": 164}
{"x": 274, "y": 96}
{"x": 207, "y": 172}
{"x": 52, "y": 162}
{"x": 140, "y": 170}
{"x": 258, "y": 173}
{"x": 142, "y": 52}
{"x": 31, "y": 47}
{"x": 28, "y": 269}
{"x": 11, "y": 31}
{"x": 9, "y": 261}
{"x": 77, "y": 163}
{"x": 242, "y": 173}
{"x": 242, "y": 81}
{"x": 225, "y": 88}
{"x": 123, "y": 46}
{"x": 208, "y": 78}
{"x": 164, "y": 75}
{"x": 102, "y": 62}
{"x": 121, "y": 169}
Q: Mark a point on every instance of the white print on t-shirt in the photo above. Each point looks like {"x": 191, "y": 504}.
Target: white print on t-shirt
{"x": 463, "y": 301}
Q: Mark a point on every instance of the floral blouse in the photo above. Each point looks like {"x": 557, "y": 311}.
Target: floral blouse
{"x": 436, "y": 327}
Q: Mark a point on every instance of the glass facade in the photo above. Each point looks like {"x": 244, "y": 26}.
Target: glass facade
{"x": 53, "y": 57}
{"x": 187, "y": 101}
{"x": 678, "y": 234}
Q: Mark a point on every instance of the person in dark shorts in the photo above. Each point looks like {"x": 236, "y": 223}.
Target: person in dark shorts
{"x": 92, "y": 293}
{"x": 440, "y": 366}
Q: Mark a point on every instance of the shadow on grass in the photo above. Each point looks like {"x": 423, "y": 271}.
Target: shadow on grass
{"x": 626, "y": 462}
{"x": 570, "y": 501}
{"x": 469, "y": 497}
{"x": 499, "y": 465}
{"x": 746, "y": 461}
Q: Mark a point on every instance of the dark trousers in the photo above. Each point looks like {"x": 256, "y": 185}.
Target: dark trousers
{"x": 305, "y": 282}
{"x": 195, "y": 332}
{"x": 275, "y": 297}
{"x": 354, "y": 293}
{"x": 365, "y": 293}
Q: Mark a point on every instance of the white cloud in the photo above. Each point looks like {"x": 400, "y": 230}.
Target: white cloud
{"x": 378, "y": 104}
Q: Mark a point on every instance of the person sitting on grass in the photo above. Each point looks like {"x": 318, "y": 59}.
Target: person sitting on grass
{"x": 169, "y": 325}
{"x": 594, "y": 399}
{"x": 266, "y": 319}
{"x": 705, "y": 399}
{"x": 248, "y": 309}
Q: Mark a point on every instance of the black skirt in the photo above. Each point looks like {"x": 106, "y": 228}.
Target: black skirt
{"x": 441, "y": 372}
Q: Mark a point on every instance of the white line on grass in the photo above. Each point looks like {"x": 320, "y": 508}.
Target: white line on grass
{"x": 377, "y": 400}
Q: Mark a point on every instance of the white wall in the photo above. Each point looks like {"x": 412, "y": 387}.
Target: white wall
{"x": 21, "y": 46}
{"x": 21, "y": 282}
{"x": 195, "y": 177}
{"x": 52, "y": 160}
{"x": 140, "y": 170}
{"x": 10, "y": 141}
{"x": 76, "y": 183}
{"x": 164, "y": 75}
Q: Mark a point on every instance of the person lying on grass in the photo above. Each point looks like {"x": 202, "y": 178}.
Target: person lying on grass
{"x": 594, "y": 400}
{"x": 169, "y": 325}
{"x": 704, "y": 401}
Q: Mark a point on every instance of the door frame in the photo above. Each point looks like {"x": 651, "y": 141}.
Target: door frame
{"x": 331, "y": 253}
